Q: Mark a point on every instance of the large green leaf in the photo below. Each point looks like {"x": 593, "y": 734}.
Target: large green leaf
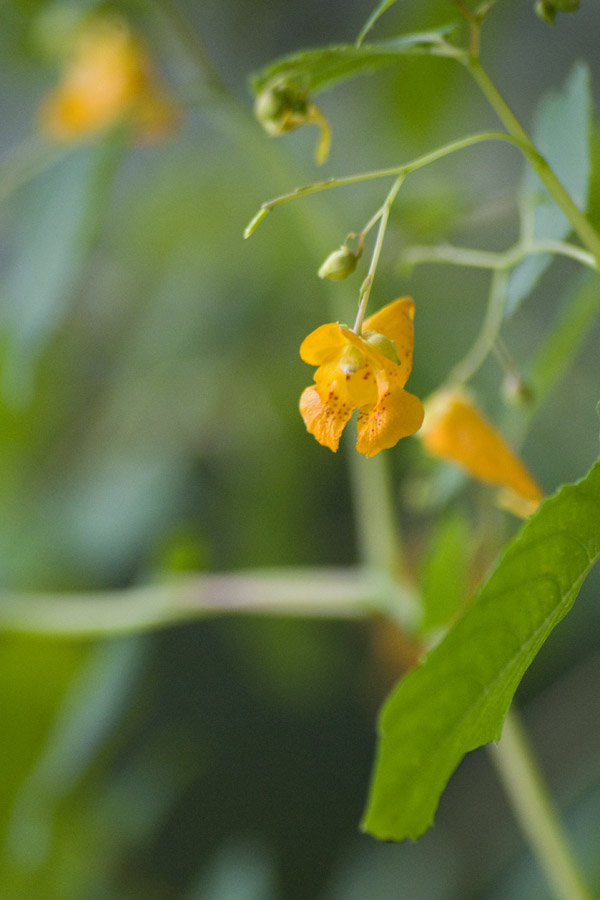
{"x": 315, "y": 70}
{"x": 457, "y": 698}
{"x": 561, "y": 132}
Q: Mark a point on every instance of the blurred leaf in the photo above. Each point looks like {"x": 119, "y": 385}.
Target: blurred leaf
{"x": 444, "y": 578}
{"x": 116, "y": 504}
{"x": 580, "y": 311}
{"x": 34, "y": 676}
{"x": 58, "y": 223}
{"x": 315, "y": 70}
{"x": 457, "y": 699}
{"x": 562, "y": 134}
{"x": 97, "y": 699}
{"x": 242, "y": 869}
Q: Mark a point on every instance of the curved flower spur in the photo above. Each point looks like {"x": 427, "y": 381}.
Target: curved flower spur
{"x": 365, "y": 371}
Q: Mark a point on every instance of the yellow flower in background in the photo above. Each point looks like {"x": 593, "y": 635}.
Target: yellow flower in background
{"x": 455, "y": 430}
{"x": 366, "y": 372}
{"x": 108, "y": 79}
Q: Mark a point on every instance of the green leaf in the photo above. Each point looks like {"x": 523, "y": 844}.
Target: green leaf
{"x": 314, "y": 70}
{"x": 562, "y": 133}
{"x": 581, "y": 307}
{"x": 376, "y": 14}
{"x": 457, "y": 698}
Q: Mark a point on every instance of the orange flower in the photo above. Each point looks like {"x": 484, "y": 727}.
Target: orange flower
{"x": 107, "y": 79}
{"x": 365, "y": 372}
{"x": 454, "y": 429}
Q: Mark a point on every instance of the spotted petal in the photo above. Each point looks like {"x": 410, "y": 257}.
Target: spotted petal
{"x": 341, "y": 390}
{"x": 397, "y": 414}
{"x": 324, "y": 421}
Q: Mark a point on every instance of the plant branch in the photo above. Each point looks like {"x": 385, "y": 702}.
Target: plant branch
{"x": 404, "y": 170}
{"x": 490, "y": 329}
{"x": 485, "y": 259}
{"x": 383, "y": 215}
{"x": 581, "y": 225}
{"x": 323, "y": 593}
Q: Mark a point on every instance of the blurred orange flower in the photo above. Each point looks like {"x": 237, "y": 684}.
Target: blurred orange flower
{"x": 108, "y": 79}
{"x": 365, "y": 372}
{"x": 455, "y": 430}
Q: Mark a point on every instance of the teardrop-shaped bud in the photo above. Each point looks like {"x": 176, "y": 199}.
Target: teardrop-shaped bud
{"x": 339, "y": 264}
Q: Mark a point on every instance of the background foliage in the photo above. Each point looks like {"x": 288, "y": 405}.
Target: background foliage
{"x": 150, "y": 375}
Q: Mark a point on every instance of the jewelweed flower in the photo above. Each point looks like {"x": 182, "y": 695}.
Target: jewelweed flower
{"x": 108, "y": 79}
{"x": 455, "y": 430}
{"x": 366, "y": 372}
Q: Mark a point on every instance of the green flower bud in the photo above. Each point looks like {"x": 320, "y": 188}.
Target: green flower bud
{"x": 382, "y": 344}
{"x": 281, "y": 107}
{"x": 339, "y": 264}
{"x": 351, "y": 360}
{"x": 545, "y": 11}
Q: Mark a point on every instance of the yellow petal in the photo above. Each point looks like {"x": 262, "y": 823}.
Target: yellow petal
{"x": 322, "y": 149}
{"x": 340, "y": 389}
{"x": 454, "y": 429}
{"x": 395, "y": 321}
{"x": 107, "y": 78}
{"x": 323, "y": 344}
{"x": 397, "y": 414}
{"x": 325, "y": 421}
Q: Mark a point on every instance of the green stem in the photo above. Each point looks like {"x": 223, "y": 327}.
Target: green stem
{"x": 556, "y": 353}
{"x": 383, "y": 214}
{"x": 361, "y": 235}
{"x": 489, "y": 331}
{"x": 578, "y": 220}
{"x": 344, "y": 593}
{"x": 487, "y": 259}
{"x": 318, "y": 186}
{"x": 379, "y": 539}
{"x": 535, "y": 812}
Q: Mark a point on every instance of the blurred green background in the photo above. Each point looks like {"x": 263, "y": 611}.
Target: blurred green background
{"x": 149, "y": 424}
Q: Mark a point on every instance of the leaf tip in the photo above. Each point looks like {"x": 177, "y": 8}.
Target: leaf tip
{"x": 255, "y": 222}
